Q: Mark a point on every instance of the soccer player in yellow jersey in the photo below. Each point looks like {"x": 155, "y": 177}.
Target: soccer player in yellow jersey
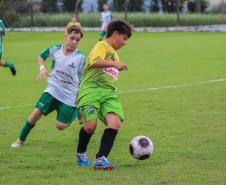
{"x": 98, "y": 99}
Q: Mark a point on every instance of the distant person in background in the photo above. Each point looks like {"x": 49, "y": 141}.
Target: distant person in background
{"x": 73, "y": 21}
{"x": 4, "y": 63}
{"x": 105, "y": 19}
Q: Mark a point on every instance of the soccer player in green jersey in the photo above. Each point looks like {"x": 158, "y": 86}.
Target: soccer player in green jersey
{"x": 97, "y": 97}
{"x": 63, "y": 82}
{"x": 4, "y": 63}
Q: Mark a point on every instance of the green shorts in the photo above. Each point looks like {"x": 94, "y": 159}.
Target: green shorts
{"x": 98, "y": 103}
{"x": 65, "y": 113}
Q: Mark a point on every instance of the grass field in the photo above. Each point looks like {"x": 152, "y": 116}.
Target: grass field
{"x": 177, "y": 106}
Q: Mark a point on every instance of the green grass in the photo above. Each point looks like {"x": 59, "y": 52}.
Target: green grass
{"x": 187, "y": 124}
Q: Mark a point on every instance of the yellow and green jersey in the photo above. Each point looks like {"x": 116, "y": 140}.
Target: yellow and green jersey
{"x": 105, "y": 77}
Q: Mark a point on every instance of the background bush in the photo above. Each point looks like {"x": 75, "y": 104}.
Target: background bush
{"x": 136, "y": 19}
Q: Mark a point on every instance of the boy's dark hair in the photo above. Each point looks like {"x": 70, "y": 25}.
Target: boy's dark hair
{"x": 75, "y": 29}
{"x": 120, "y": 26}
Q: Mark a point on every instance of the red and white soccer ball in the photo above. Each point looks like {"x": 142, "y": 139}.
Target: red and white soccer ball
{"x": 141, "y": 147}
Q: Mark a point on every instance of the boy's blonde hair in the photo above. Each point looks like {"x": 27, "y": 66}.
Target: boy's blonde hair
{"x": 74, "y": 28}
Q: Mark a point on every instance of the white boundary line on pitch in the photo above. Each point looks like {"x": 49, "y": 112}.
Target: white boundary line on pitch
{"x": 14, "y": 107}
{"x": 137, "y": 91}
{"x": 172, "y": 86}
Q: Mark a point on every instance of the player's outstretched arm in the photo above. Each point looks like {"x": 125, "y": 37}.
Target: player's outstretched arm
{"x": 121, "y": 66}
{"x": 43, "y": 71}
{"x": 109, "y": 63}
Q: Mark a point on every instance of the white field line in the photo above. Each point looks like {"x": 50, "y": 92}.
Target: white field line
{"x": 172, "y": 86}
{"x": 15, "y": 107}
{"x": 136, "y": 91}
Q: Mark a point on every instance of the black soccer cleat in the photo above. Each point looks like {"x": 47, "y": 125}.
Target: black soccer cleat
{"x": 13, "y": 70}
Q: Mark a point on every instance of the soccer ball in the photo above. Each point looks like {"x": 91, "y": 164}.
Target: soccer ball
{"x": 141, "y": 147}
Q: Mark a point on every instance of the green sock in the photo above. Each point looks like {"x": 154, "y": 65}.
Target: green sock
{"x": 7, "y": 64}
{"x": 25, "y": 130}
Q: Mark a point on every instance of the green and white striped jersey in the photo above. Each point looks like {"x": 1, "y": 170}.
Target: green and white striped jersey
{"x": 64, "y": 79}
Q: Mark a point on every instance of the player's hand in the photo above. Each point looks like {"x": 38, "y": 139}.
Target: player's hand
{"x": 80, "y": 118}
{"x": 42, "y": 74}
{"x": 121, "y": 66}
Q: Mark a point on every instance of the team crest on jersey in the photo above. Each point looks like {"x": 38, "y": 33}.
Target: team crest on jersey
{"x": 112, "y": 56}
{"x": 90, "y": 109}
{"x": 72, "y": 65}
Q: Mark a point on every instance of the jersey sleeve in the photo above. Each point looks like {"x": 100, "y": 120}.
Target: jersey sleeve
{"x": 98, "y": 53}
{"x": 81, "y": 67}
{"x": 110, "y": 17}
{"x": 45, "y": 54}
{"x": 101, "y": 17}
{"x": 49, "y": 52}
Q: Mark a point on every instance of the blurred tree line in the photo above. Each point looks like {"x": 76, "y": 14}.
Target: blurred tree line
{"x": 169, "y": 6}
{"x": 11, "y": 9}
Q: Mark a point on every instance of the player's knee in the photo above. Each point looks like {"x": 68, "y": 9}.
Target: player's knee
{"x": 113, "y": 121}
{"x": 90, "y": 126}
{"x": 35, "y": 116}
{"x": 61, "y": 126}
{"x": 90, "y": 129}
{"x": 32, "y": 119}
